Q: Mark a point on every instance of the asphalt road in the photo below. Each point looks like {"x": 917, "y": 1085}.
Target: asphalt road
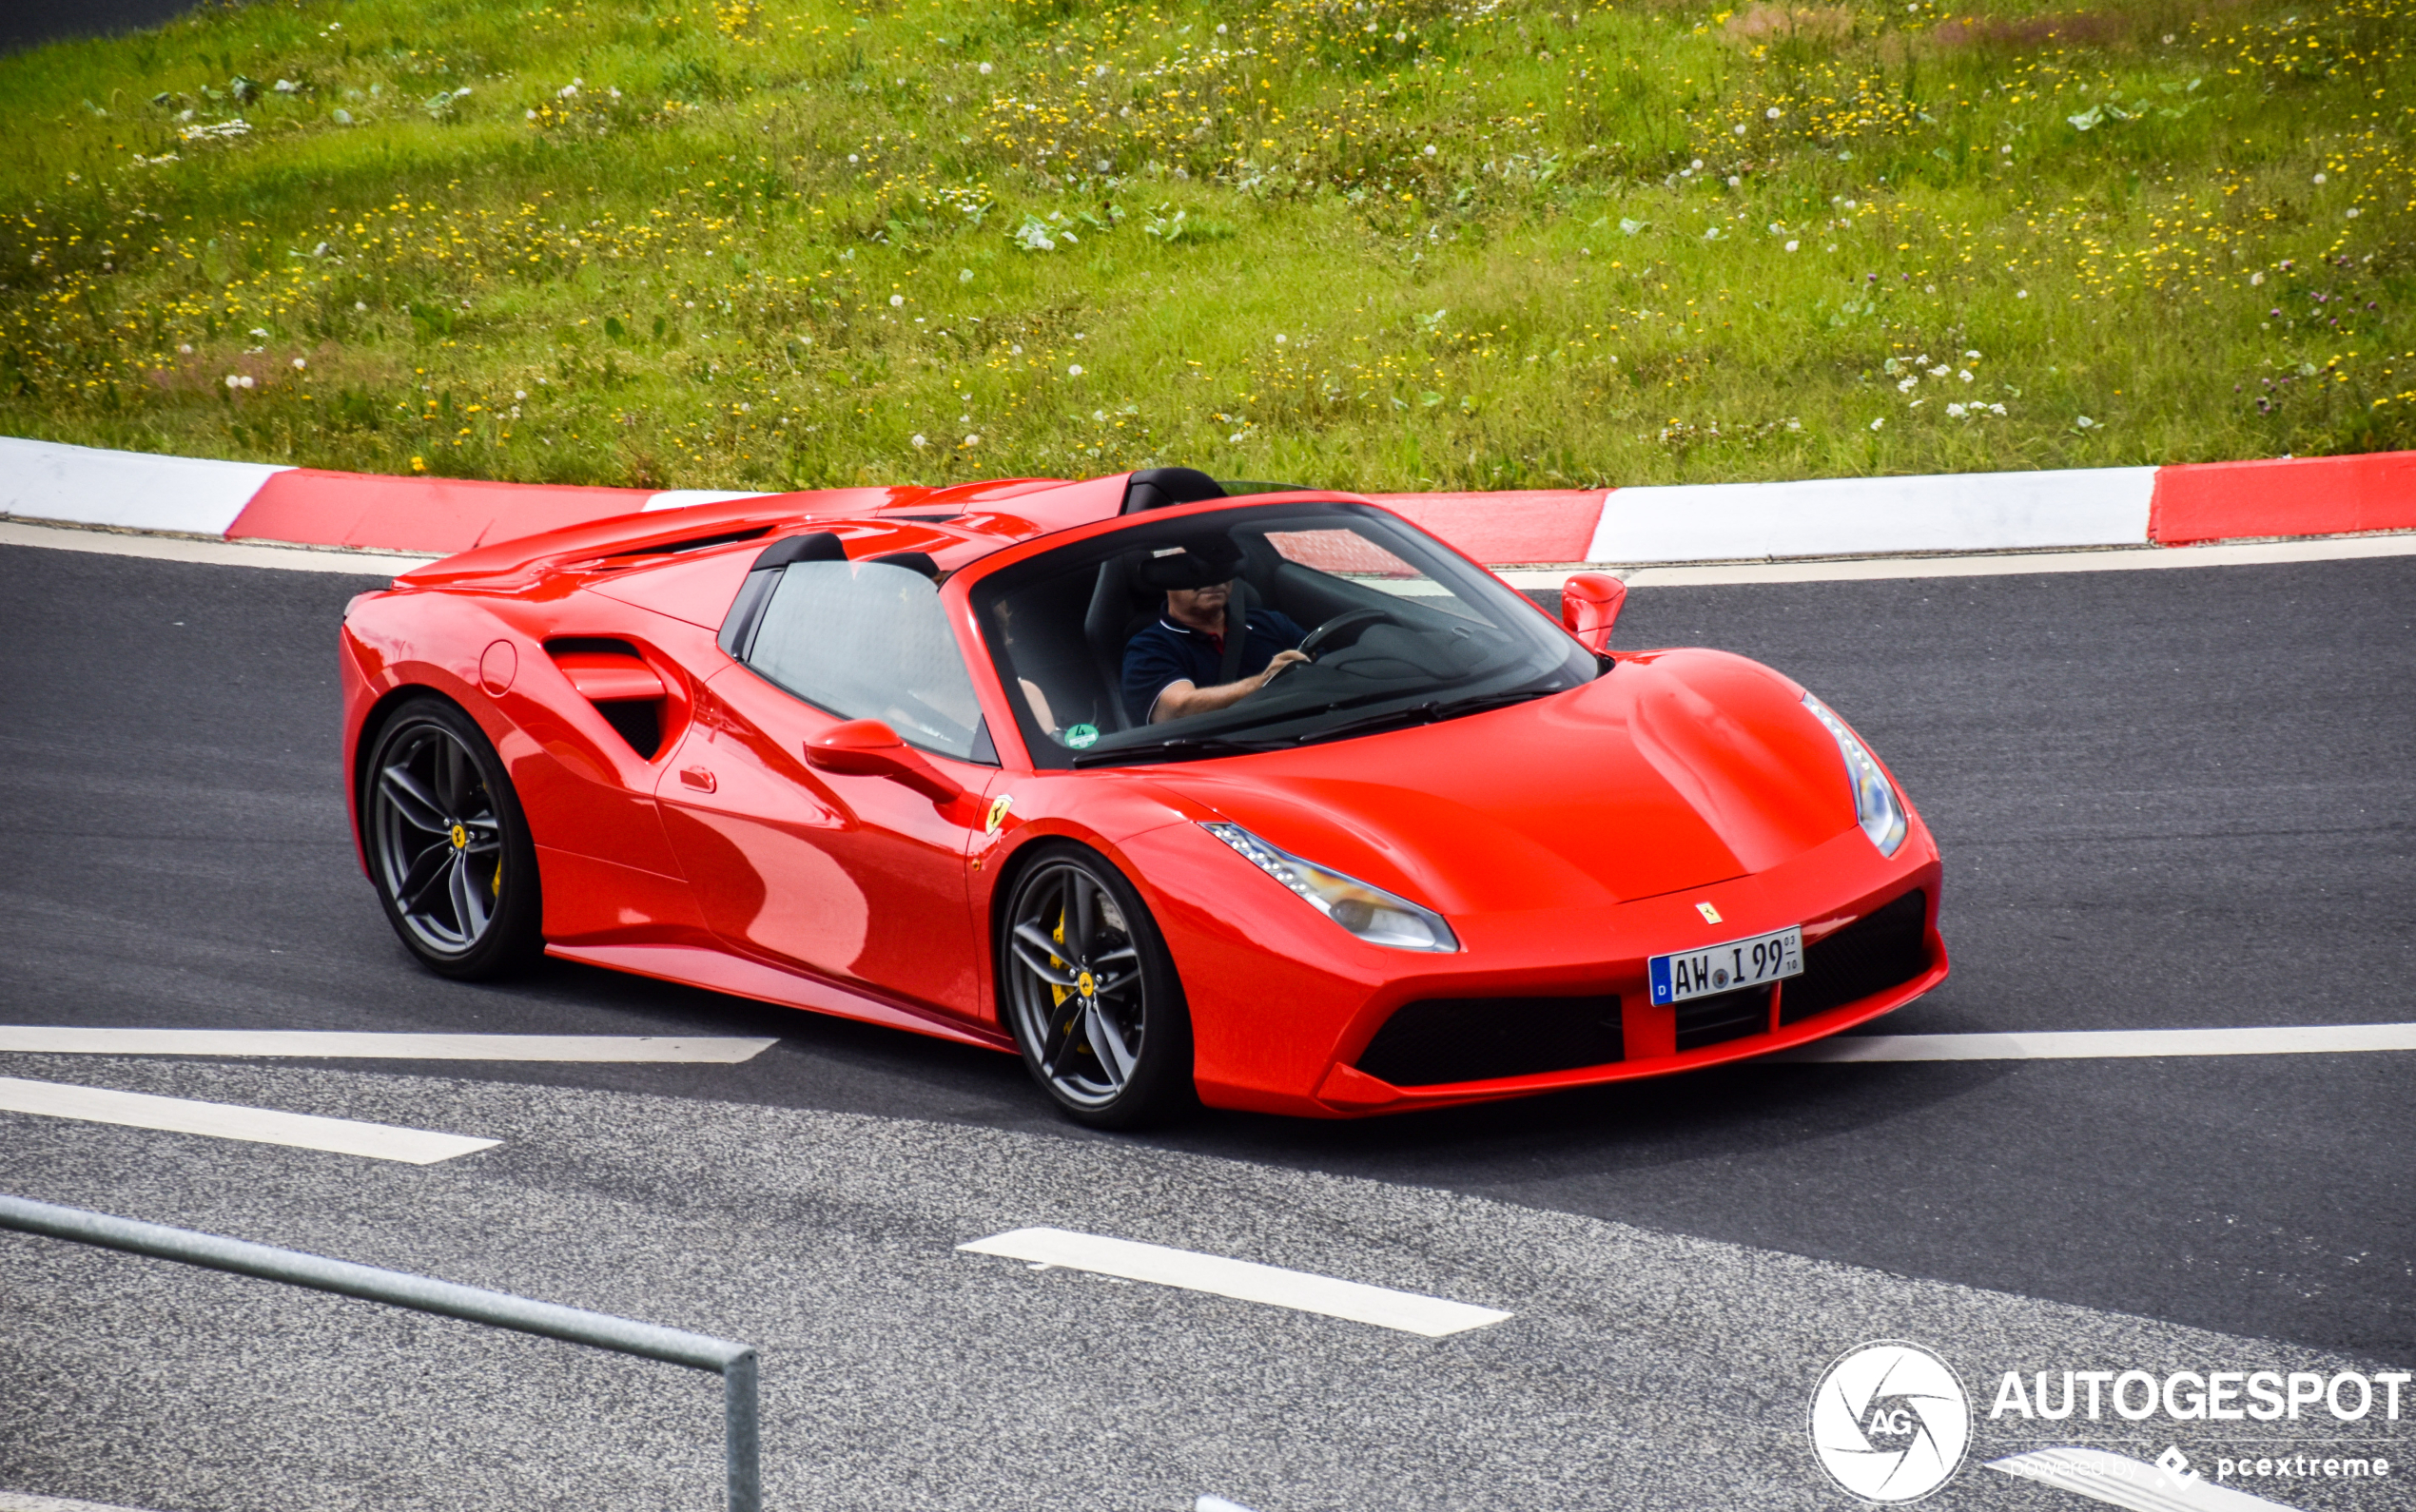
{"x": 2167, "y": 799}
{"x": 31, "y": 23}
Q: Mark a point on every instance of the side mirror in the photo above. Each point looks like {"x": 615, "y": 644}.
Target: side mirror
{"x": 1589, "y": 605}
{"x": 868, "y": 748}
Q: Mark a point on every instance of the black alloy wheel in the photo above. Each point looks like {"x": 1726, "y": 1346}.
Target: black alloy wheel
{"x": 1091, "y": 993}
{"x": 447, "y": 845}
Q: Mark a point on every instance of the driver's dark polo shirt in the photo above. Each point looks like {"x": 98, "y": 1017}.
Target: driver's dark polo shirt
{"x": 1166, "y": 653}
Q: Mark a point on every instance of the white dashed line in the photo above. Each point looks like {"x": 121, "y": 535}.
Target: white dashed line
{"x": 565, "y": 1049}
{"x": 220, "y": 1121}
{"x": 2121, "y": 1482}
{"x": 1241, "y": 1279}
{"x": 2083, "y": 1044}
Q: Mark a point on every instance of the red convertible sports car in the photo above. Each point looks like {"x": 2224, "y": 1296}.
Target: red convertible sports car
{"x": 1272, "y": 800}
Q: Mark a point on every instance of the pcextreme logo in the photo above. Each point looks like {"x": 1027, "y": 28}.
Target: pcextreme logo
{"x": 1890, "y": 1422}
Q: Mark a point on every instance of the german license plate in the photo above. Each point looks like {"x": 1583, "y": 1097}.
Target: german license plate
{"x": 1747, "y": 963}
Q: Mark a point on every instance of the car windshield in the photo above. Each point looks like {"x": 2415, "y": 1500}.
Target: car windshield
{"x": 1259, "y": 628}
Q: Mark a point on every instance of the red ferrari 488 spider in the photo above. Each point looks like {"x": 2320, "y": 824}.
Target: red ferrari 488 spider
{"x": 1273, "y": 799}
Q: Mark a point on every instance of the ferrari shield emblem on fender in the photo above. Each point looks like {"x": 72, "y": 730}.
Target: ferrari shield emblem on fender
{"x": 1710, "y": 914}
{"x": 997, "y": 815}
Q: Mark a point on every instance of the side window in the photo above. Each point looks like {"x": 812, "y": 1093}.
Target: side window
{"x": 869, "y": 641}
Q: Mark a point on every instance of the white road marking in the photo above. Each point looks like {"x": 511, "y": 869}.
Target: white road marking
{"x": 1981, "y": 564}
{"x": 559, "y": 1049}
{"x": 2080, "y": 1044}
{"x": 2120, "y": 1481}
{"x": 210, "y": 553}
{"x": 1241, "y": 1279}
{"x": 220, "y": 1120}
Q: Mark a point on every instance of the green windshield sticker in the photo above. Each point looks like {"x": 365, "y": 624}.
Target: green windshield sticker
{"x": 1082, "y": 736}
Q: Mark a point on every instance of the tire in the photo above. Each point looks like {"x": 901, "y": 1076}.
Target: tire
{"x": 448, "y": 846}
{"x": 1077, "y": 1005}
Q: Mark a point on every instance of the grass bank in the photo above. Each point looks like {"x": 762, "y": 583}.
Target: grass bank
{"x": 1385, "y": 243}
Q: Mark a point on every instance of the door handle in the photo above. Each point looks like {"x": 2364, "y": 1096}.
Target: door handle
{"x": 698, "y": 778}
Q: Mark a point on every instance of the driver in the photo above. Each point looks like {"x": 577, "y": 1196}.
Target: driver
{"x": 1170, "y": 667}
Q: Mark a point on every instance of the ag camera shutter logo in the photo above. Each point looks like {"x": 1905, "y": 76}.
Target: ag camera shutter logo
{"x": 1890, "y": 1422}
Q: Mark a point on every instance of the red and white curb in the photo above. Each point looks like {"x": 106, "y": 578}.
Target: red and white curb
{"x": 1965, "y": 512}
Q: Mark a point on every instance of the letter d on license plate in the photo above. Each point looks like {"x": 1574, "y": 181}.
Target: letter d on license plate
{"x": 1747, "y": 963}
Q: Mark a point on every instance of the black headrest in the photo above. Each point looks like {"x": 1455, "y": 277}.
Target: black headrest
{"x": 821, "y": 545}
{"x": 1155, "y": 488}
{"x": 1195, "y": 565}
{"x": 912, "y": 562}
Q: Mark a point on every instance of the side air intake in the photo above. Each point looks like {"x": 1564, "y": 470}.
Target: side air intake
{"x": 1446, "y": 1039}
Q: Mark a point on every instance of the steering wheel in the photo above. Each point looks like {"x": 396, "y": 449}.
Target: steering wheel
{"x": 1333, "y": 632}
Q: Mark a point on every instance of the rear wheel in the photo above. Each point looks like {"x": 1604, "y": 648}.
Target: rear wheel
{"x": 448, "y": 846}
{"x": 1091, "y": 993}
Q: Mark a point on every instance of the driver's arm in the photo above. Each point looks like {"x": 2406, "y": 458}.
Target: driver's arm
{"x": 1179, "y": 699}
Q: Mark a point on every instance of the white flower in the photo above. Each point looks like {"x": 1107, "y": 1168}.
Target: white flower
{"x": 897, "y": 300}
{"x": 1772, "y": 113}
{"x": 2319, "y": 178}
{"x": 1220, "y": 29}
{"x": 234, "y": 381}
{"x": 519, "y": 394}
{"x": 1792, "y": 245}
{"x": 852, "y": 158}
{"x": 1996, "y": 409}
{"x": 185, "y": 347}
{"x": 1711, "y": 233}
{"x": 965, "y": 275}
{"x": 986, "y": 68}
{"x": 2008, "y": 150}
{"x": 972, "y": 440}
{"x": 345, "y": 117}
{"x": 1074, "y": 370}
{"x": 1875, "y": 424}
{"x": 1965, "y": 374}
{"x": 920, "y": 441}
{"x": 532, "y": 115}
{"x": 2350, "y": 214}
{"x": 1734, "y": 181}
{"x": 1940, "y": 371}
{"x": 1954, "y": 409}
{"x": 1280, "y": 338}
{"x": 299, "y": 364}
{"x": 1016, "y": 350}
{"x": 1099, "y": 416}
{"x": 1974, "y": 356}
{"x": 2021, "y": 293}
{"x": 1739, "y": 129}
{"x": 1697, "y": 165}
{"x": 568, "y": 92}
{"x": 285, "y": 87}
{"x": 1100, "y": 72}
{"x": 2085, "y": 423}
{"x": 1910, "y": 380}
{"x": 257, "y": 331}
{"x": 1430, "y": 149}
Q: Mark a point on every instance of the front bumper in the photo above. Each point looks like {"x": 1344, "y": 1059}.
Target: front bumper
{"x": 1284, "y": 1004}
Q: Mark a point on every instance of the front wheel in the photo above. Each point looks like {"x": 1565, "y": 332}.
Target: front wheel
{"x": 1091, "y": 994}
{"x": 448, "y": 846}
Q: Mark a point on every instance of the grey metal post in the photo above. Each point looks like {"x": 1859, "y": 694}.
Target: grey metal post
{"x": 734, "y": 1363}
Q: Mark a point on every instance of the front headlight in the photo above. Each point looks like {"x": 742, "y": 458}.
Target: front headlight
{"x": 1371, "y": 913}
{"x": 1875, "y": 804}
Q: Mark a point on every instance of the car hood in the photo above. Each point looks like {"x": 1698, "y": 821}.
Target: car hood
{"x": 1674, "y": 771}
